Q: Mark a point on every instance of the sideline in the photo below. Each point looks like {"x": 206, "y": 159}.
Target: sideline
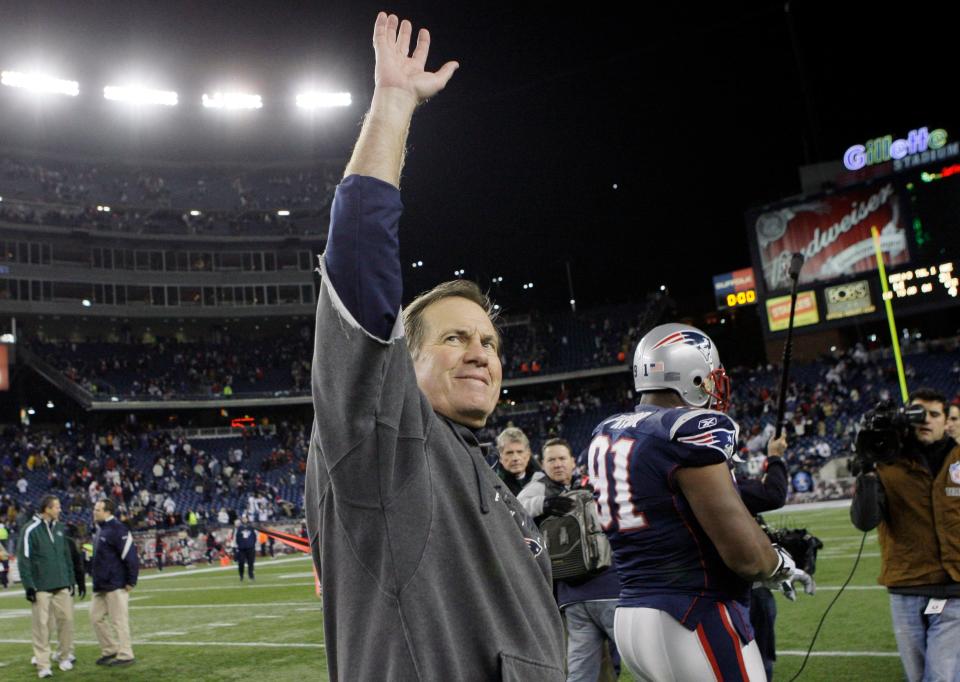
{"x": 268, "y": 645}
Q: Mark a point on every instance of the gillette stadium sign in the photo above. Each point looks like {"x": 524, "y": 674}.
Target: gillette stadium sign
{"x": 918, "y": 148}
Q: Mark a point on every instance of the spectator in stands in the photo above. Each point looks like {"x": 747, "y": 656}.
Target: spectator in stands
{"x": 115, "y": 571}
{"x": 912, "y": 500}
{"x": 46, "y": 571}
{"x": 516, "y": 467}
{"x": 588, "y": 606}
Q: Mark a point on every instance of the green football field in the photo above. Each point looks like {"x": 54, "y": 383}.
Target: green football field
{"x": 202, "y": 624}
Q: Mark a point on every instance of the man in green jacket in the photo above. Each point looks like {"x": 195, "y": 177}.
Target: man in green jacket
{"x": 46, "y": 569}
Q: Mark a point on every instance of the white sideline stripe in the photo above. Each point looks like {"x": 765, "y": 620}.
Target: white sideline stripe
{"x": 246, "y": 605}
{"x": 17, "y": 613}
{"x": 219, "y": 625}
{"x": 218, "y": 588}
{"x": 288, "y": 576}
{"x": 213, "y": 569}
{"x": 140, "y": 642}
{"x": 169, "y": 633}
{"x": 851, "y": 654}
{"x": 814, "y": 506}
{"x": 846, "y": 556}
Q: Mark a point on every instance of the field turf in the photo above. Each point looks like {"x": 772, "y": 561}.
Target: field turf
{"x": 203, "y": 624}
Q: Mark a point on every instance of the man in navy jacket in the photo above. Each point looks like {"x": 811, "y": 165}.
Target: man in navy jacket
{"x": 115, "y": 569}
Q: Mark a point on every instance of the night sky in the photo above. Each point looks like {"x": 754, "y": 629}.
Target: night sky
{"x": 694, "y": 114}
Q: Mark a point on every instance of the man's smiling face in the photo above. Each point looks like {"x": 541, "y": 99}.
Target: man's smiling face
{"x": 458, "y": 365}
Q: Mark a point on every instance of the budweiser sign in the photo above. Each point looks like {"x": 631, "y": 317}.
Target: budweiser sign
{"x": 833, "y": 234}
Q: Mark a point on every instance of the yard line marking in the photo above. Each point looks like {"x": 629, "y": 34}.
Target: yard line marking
{"x": 158, "y": 590}
{"x": 219, "y": 625}
{"x": 169, "y": 633}
{"x": 214, "y": 569}
{"x": 268, "y": 645}
{"x": 288, "y": 576}
{"x": 883, "y": 654}
{"x": 245, "y": 605}
{"x": 821, "y": 555}
{"x": 268, "y": 616}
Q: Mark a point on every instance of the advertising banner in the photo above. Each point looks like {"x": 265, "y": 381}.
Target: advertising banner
{"x": 833, "y": 234}
{"x": 806, "y": 313}
{"x": 847, "y": 300}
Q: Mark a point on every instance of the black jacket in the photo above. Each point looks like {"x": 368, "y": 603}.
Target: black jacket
{"x": 767, "y": 493}
{"x": 514, "y": 484}
{"x": 115, "y": 561}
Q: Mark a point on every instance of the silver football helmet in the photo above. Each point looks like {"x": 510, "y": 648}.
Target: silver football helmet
{"x": 681, "y": 358}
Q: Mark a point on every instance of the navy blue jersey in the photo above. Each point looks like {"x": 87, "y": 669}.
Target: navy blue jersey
{"x": 664, "y": 558}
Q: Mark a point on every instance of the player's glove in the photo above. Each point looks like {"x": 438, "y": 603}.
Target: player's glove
{"x": 72, "y": 590}
{"x": 802, "y": 577}
{"x": 31, "y": 594}
{"x": 557, "y": 506}
{"x": 785, "y": 568}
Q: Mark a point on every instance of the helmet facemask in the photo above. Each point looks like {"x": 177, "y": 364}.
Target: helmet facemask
{"x": 717, "y": 386}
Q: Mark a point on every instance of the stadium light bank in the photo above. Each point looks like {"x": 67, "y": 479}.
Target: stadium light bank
{"x": 140, "y": 95}
{"x": 35, "y": 82}
{"x": 232, "y": 100}
{"x": 323, "y": 100}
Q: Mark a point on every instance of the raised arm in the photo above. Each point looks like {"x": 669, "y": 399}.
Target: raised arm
{"x": 401, "y": 83}
{"x": 362, "y": 258}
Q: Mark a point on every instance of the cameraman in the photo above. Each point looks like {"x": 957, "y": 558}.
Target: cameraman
{"x": 914, "y": 498}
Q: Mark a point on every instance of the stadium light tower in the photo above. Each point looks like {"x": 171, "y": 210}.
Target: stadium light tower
{"x": 140, "y": 95}
{"x": 35, "y": 82}
{"x": 316, "y": 99}
{"x": 232, "y": 100}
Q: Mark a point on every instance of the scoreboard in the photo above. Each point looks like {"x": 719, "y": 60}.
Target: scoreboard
{"x": 733, "y": 289}
{"x": 917, "y": 214}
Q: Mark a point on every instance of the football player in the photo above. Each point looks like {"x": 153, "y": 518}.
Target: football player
{"x": 686, "y": 548}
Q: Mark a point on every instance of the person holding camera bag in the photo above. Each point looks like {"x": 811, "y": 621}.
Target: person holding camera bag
{"x": 588, "y": 604}
{"x": 909, "y": 489}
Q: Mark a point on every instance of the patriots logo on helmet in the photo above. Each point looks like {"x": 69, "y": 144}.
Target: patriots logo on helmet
{"x": 690, "y": 338}
{"x": 722, "y": 440}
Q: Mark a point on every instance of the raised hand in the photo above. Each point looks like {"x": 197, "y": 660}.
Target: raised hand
{"x": 397, "y": 68}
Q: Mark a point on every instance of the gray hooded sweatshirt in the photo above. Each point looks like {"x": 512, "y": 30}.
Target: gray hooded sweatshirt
{"x": 430, "y": 568}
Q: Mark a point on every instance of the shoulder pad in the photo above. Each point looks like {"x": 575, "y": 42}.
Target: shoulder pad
{"x": 700, "y": 428}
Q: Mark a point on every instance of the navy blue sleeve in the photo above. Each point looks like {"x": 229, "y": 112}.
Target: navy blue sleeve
{"x": 768, "y": 493}
{"x": 127, "y": 550}
{"x": 363, "y": 252}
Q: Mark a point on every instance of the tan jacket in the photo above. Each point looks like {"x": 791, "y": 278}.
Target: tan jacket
{"x": 920, "y": 537}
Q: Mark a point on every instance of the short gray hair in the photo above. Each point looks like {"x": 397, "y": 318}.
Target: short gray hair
{"x": 415, "y": 329}
{"x": 512, "y": 434}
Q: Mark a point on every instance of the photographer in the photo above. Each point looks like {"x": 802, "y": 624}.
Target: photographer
{"x": 909, "y": 488}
